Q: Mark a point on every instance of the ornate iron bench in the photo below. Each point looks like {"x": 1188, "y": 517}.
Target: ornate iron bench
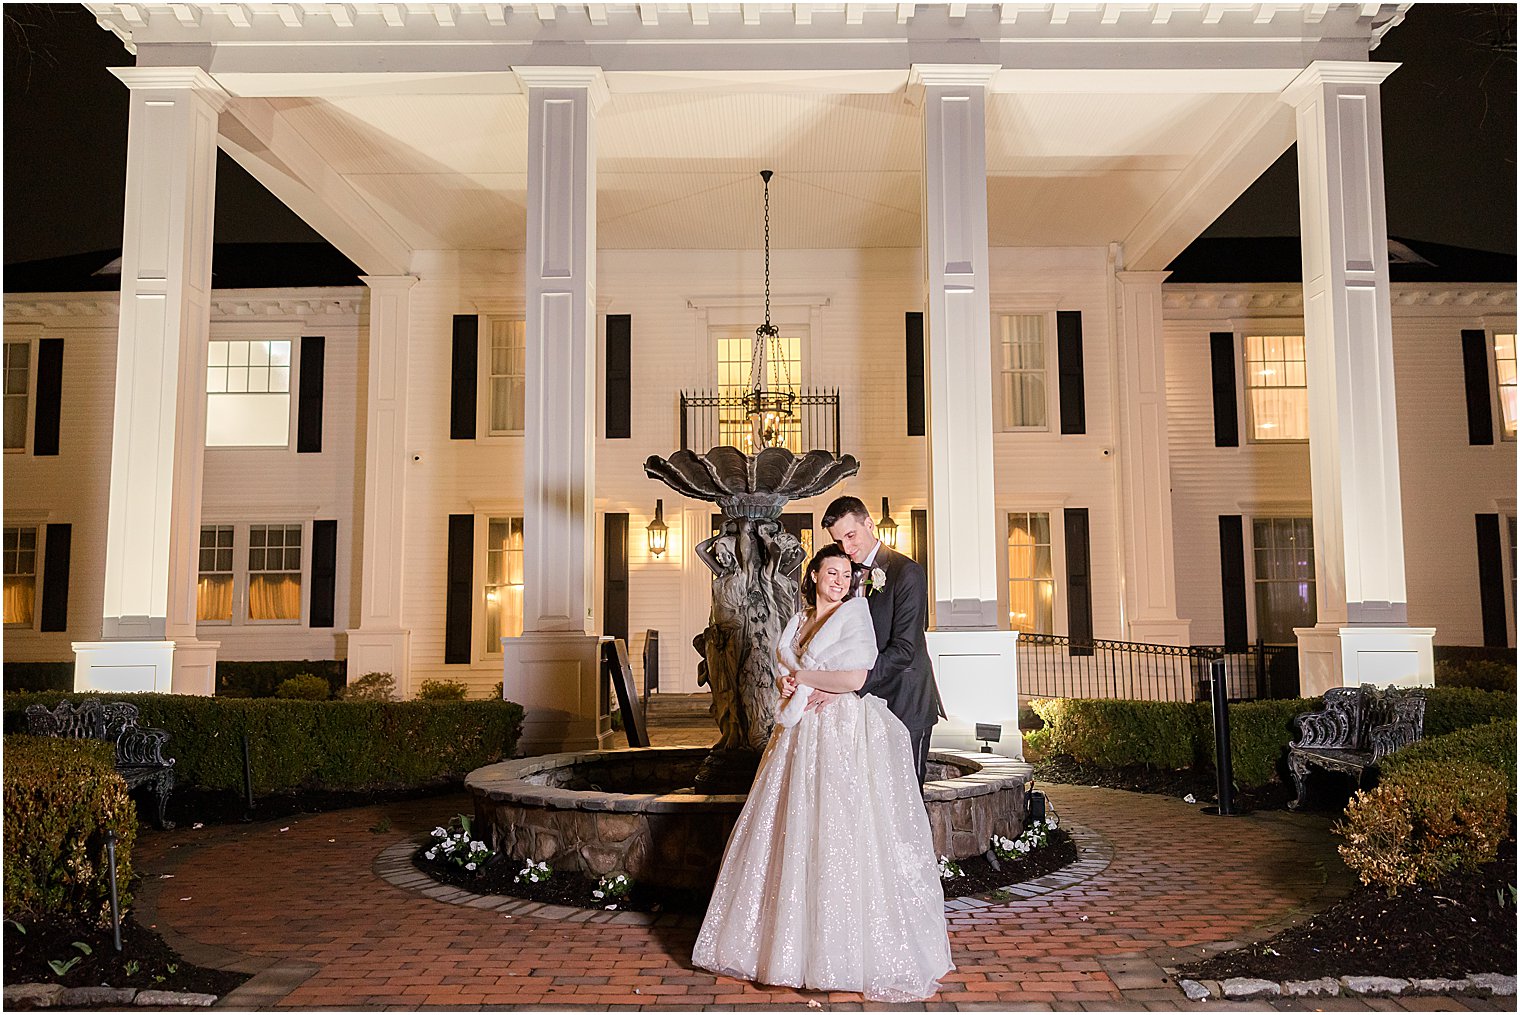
{"x": 1357, "y": 728}
{"x": 139, "y": 749}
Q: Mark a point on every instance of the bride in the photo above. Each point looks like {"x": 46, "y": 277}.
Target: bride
{"x": 829, "y": 881}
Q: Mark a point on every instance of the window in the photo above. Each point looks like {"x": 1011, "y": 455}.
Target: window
{"x": 1031, "y": 581}
{"x": 213, "y": 592}
{"x": 20, "y": 552}
{"x": 504, "y": 581}
{"x": 1504, "y": 375}
{"x": 1284, "y": 557}
{"x": 507, "y": 363}
{"x": 248, "y": 394}
{"x": 274, "y": 572}
{"x": 1023, "y": 372}
{"x": 782, "y": 373}
{"x": 18, "y": 369}
{"x": 1277, "y": 392}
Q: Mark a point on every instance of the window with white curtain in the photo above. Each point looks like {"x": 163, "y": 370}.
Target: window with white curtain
{"x": 1283, "y": 555}
{"x": 1504, "y": 378}
{"x": 274, "y": 572}
{"x": 20, "y": 554}
{"x": 1024, "y": 372}
{"x": 213, "y": 590}
{"x": 735, "y": 353}
{"x": 1031, "y": 576}
{"x": 248, "y": 393}
{"x": 1277, "y": 389}
{"x": 504, "y": 582}
{"x": 18, "y": 375}
{"x": 506, "y": 382}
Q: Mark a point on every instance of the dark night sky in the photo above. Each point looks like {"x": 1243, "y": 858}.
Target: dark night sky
{"x": 1448, "y": 129}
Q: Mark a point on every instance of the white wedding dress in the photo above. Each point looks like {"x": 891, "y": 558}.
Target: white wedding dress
{"x": 830, "y": 881}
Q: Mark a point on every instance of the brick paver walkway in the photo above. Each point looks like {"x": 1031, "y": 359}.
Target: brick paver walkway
{"x": 299, "y": 900}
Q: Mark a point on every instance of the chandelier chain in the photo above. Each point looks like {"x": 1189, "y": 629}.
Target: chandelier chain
{"x": 767, "y": 255}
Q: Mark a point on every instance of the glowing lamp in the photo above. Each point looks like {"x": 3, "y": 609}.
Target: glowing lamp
{"x": 658, "y": 530}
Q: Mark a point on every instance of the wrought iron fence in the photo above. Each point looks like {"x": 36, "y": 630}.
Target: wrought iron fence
{"x": 710, "y": 419}
{"x": 1054, "y": 666}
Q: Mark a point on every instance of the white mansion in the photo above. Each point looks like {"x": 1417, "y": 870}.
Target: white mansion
{"x": 558, "y": 213}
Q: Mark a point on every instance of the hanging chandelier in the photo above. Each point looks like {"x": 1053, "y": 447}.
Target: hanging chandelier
{"x": 769, "y": 408}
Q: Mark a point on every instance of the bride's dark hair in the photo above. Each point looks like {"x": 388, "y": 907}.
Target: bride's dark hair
{"x": 810, "y": 586}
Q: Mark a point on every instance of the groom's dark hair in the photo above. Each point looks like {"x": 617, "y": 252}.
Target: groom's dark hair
{"x": 810, "y": 585}
{"x": 842, "y": 506}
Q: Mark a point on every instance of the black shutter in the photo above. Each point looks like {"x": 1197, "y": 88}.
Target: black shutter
{"x": 324, "y": 566}
{"x": 913, "y": 328}
{"x": 1232, "y": 569}
{"x": 55, "y": 577}
{"x": 309, "y": 401}
{"x": 1490, "y": 581}
{"x": 615, "y": 577}
{"x": 918, "y": 520}
{"x": 1079, "y": 626}
{"x": 619, "y": 377}
{"x": 1480, "y": 414}
{"x": 462, "y": 386}
{"x": 1226, "y": 417}
{"x": 49, "y": 398}
{"x": 457, "y": 612}
{"x": 1069, "y": 364}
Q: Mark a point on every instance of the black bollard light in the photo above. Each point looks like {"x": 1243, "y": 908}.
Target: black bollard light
{"x": 1223, "y": 771}
{"x": 115, "y": 903}
{"x": 247, "y": 780}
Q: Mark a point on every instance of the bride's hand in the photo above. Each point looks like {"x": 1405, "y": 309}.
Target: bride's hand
{"x": 787, "y": 685}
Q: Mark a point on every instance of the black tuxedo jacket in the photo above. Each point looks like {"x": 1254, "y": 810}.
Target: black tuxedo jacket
{"x": 900, "y": 611}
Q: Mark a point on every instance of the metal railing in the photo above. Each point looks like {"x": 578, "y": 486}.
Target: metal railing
{"x": 709, "y": 420}
{"x": 1054, "y": 666}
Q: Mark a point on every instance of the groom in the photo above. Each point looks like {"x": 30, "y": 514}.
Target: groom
{"x": 897, "y": 591}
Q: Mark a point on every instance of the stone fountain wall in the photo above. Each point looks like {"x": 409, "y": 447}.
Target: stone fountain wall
{"x": 557, "y": 808}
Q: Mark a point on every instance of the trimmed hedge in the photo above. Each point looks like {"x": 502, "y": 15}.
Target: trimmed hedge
{"x": 337, "y": 745}
{"x": 259, "y": 679}
{"x": 38, "y": 677}
{"x": 1484, "y": 674}
{"x": 61, "y": 796}
{"x": 1174, "y": 735}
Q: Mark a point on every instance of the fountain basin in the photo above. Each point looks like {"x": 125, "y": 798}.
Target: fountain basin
{"x": 633, "y": 810}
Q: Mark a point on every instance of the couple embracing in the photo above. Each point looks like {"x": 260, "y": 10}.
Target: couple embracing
{"x": 830, "y": 881}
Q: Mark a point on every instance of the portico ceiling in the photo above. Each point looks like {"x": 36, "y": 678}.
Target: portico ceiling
{"x": 1126, "y": 123}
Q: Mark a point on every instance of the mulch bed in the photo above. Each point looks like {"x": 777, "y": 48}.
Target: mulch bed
{"x": 144, "y": 961}
{"x": 571, "y": 888}
{"x": 1062, "y": 768}
{"x": 1463, "y": 924}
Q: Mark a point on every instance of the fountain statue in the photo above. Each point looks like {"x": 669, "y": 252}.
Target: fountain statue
{"x": 754, "y": 595}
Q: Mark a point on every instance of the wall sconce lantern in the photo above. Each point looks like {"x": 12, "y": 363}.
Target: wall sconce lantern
{"x": 886, "y": 529}
{"x": 658, "y": 530}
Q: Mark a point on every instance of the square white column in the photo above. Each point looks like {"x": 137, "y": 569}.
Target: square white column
{"x": 159, "y": 423}
{"x": 975, "y": 663}
{"x": 382, "y": 643}
{"x": 1144, "y": 462}
{"x": 553, "y": 669}
{"x": 1353, "y": 430}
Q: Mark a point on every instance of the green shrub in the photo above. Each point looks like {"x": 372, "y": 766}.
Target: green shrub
{"x": 442, "y": 690}
{"x": 370, "y": 687}
{"x": 1423, "y": 820}
{"x": 497, "y": 692}
{"x": 338, "y": 745}
{"x": 39, "y": 677}
{"x": 1492, "y": 744}
{"x": 1483, "y": 674}
{"x": 1260, "y": 732}
{"x": 61, "y": 796}
{"x": 1119, "y": 732}
{"x": 1448, "y": 709}
{"x": 259, "y": 679}
{"x": 305, "y": 686}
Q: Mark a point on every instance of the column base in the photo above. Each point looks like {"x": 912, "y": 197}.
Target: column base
{"x": 1161, "y": 632}
{"x": 195, "y": 666}
{"x": 124, "y": 667}
{"x": 977, "y": 673}
{"x": 381, "y": 651}
{"x": 1345, "y": 656}
{"x": 557, "y": 678}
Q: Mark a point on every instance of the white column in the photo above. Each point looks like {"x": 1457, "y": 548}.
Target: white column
{"x": 1362, "y": 634}
{"x": 1145, "y": 471}
{"x": 382, "y": 643}
{"x": 159, "y": 427}
{"x": 553, "y": 669}
{"x": 975, "y": 663}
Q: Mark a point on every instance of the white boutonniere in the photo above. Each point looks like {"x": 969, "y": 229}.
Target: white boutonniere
{"x": 875, "y": 581}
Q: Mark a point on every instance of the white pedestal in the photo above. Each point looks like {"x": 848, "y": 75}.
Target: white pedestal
{"x": 380, "y": 652}
{"x": 556, "y": 678}
{"x": 195, "y": 666}
{"x": 1161, "y": 632}
{"x": 1334, "y": 656}
{"x": 124, "y": 667}
{"x": 977, "y": 672}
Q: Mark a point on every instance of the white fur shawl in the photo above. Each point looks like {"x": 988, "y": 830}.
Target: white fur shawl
{"x": 846, "y": 641}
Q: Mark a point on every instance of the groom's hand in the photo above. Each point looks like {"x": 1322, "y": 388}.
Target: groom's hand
{"x": 818, "y": 699}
